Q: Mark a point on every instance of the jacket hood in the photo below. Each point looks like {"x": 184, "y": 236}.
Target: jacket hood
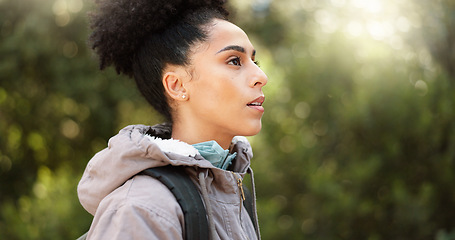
{"x": 139, "y": 147}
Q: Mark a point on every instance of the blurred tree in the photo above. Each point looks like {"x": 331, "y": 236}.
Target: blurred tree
{"x": 56, "y": 110}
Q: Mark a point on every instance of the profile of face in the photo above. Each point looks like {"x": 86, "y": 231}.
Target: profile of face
{"x": 219, "y": 95}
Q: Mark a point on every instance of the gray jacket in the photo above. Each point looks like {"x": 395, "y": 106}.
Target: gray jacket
{"x": 130, "y": 206}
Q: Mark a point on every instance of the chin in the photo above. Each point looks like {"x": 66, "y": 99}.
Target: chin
{"x": 252, "y": 130}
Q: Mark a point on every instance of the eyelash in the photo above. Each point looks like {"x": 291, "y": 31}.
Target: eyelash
{"x": 236, "y": 59}
{"x": 239, "y": 62}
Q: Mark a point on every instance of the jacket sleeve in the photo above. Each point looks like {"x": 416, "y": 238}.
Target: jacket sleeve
{"x": 130, "y": 217}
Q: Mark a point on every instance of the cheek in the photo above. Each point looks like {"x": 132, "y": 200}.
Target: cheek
{"x": 218, "y": 87}
{"x": 215, "y": 83}
{"x": 229, "y": 92}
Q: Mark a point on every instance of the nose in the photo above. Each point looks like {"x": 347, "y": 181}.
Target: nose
{"x": 259, "y": 78}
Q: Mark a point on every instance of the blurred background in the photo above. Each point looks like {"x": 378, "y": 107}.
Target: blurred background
{"x": 358, "y": 139}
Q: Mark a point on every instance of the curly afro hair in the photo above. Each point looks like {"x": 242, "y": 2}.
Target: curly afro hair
{"x": 140, "y": 37}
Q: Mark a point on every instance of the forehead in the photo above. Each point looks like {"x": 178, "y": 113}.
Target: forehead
{"x": 223, "y": 33}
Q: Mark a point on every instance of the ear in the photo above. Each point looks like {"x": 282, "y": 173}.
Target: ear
{"x": 173, "y": 82}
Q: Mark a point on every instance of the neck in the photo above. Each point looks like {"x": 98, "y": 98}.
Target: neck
{"x": 193, "y": 135}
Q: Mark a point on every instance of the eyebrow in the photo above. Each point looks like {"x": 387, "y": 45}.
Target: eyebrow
{"x": 235, "y": 48}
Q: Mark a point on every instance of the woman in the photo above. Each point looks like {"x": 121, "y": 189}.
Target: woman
{"x": 199, "y": 71}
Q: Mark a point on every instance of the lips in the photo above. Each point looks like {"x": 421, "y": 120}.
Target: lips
{"x": 257, "y": 104}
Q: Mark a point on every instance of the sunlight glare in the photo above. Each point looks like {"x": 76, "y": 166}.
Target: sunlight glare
{"x": 354, "y": 28}
{"x": 380, "y": 30}
{"x": 363, "y": 20}
{"x": 327, "y": 21}
{"x": 372, "y": 6}
{"x": 337, "y": 3}
{"x": 403, "y": 24}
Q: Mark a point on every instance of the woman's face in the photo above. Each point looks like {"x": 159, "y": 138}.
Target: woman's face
{"x": 224, "y": 95}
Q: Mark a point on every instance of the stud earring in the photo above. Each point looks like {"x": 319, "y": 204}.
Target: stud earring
{"x": 183, "y": 96}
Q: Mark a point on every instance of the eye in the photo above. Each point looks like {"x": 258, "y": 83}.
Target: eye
{"x": 235, "y": 61}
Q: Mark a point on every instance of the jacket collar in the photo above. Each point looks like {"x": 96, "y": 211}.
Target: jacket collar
{"x": 160, "y": 135}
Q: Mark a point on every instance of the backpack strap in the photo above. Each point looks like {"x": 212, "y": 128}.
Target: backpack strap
{"x": 179, "y": 183}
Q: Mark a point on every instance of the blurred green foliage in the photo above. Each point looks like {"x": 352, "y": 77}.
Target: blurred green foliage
{"x": 358, "y": 139}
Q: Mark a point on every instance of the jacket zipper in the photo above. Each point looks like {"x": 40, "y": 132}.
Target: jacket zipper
{"x": 242, "y": 193}
{"x": 240, "y": 184}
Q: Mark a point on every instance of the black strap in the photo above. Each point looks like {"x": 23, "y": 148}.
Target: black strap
{"x": 179, "y": 183}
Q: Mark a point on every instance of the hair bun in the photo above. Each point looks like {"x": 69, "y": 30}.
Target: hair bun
{"x": 120, "y": 26}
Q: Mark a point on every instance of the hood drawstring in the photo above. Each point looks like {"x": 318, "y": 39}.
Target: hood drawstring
{"x": 205, "y": 196}
{"x": 253, "y": 190}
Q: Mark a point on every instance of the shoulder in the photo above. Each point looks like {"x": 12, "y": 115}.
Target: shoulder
{"x": 144, "y": 200}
